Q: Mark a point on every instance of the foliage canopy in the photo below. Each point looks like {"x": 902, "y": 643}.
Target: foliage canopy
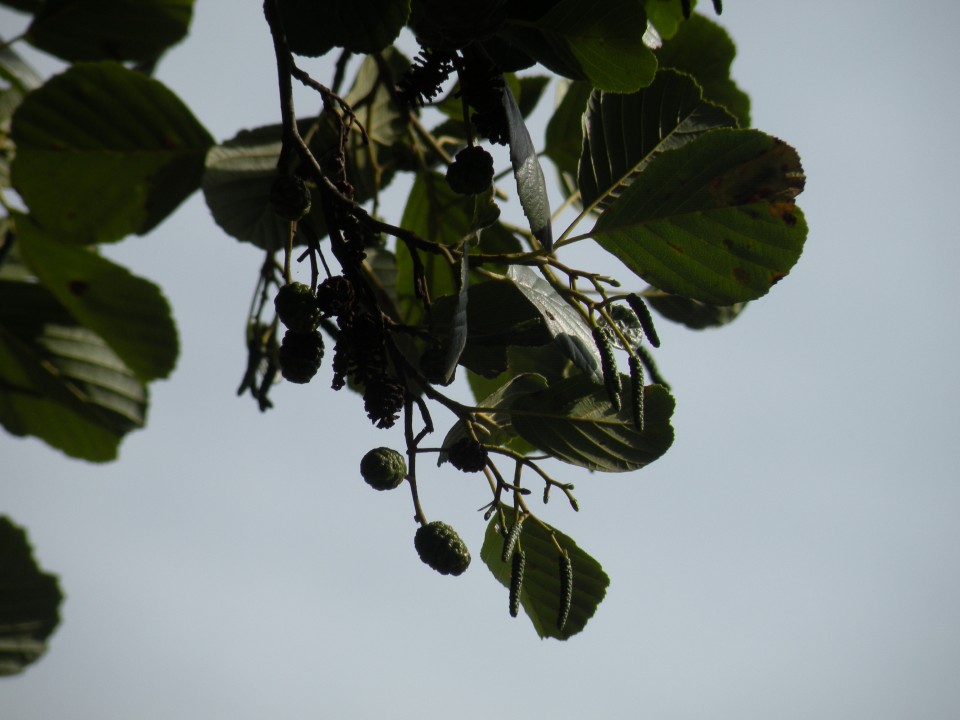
{"x": 650, "y": 143}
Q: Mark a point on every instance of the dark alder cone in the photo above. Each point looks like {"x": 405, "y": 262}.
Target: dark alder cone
{"x": 383, "y": 468}
{"x": 471, "y": 171}
{"x": 290, "y": 197}
{"x": 383, "y": 400}
{"x": 425, "y": 78}
{"x": 300, "y": 355}
{"x": 439, "y": 546}
{"x": 482, "y": 86}
{"x": 335, "y": 296}
{"x": 297, "y": 308}
{"x": 467, "y": 455}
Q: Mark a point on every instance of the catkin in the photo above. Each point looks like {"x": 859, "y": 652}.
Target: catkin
{"x": 608, "y": 365}
{"x": 566, "y": 589}
{"x": 516, "y": 581}
{"x": 642, "y": 312}
{"x": 636, "y": 391}
{"x": 510, "y": 542}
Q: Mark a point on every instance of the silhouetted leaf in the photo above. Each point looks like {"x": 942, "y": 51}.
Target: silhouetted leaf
{"x": 703, "y": 49}
{"x": 564, "y": 134}
{"x": 29, "y": 602}
{"x": 600, "y": 41}
{"x": 540, "y": 594}
{"x": 361, "y": 26}
{"x": 135, "y": 30}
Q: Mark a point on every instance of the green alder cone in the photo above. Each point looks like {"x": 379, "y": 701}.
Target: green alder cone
{"x": 297, "y": 308}
{"x": 383, "y": 468}
{"x": 441, "y": 548}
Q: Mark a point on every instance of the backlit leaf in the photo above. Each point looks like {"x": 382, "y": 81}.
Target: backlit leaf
{"x": 540, "y": 594}
{"x": 714, "y": 220}
{"x": 59, "y": 381}
{"x": 103, "y": 151}
{"x": 574, "y": 421}
{"x": 622, "y": 134}
{"x": 128, "y": 312}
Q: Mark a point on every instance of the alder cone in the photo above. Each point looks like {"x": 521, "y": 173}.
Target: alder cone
{"x": 383, "y": 468}
{"x": 300, "y": 355}
{"x": 441, "y": 548}
{"x": 297, "y": 308}
{"x": 471, "y": 171}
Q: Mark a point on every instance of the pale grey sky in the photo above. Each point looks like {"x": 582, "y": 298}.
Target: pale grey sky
{"x": 795, "y": 555}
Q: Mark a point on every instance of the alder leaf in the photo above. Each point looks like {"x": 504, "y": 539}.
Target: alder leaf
{"x": 103, "y": 151}
{"x": 361, "y": 26}
{"x": 123, "y": 30}
{"x": 600, "y": 41}
{"x": 59, "y": 381}
{"x": 622, "y": 134}
{"x": 128, "y": 312}
{"x": 692, "y": 313}
{"x": 703, "y": 49}
{"x": 531, "y": 185}
{"x": 714, "y": 220}
{"x": 568, "y": 328}
{"x": 573, "y": 420}
{"x": 540, "y": 594}
{"x": 29, "y": 601}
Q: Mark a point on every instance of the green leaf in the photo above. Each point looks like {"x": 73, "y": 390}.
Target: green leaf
{"x": 313, "y": 27}
{"x": 714, "y": 220}
{"x": 622, "y": 134}
{"x": 573, "y": 421}
{"x": 540, "y": 594}
{"x": 239, "y": 173}
{"x": 128, "y": 312}
{"x": 704, "y": 49}
{"x": 529, "y": 91}
{"x": 695, "y": 315}
{"x": 20, "y": 79}
{"x": 600, "y": 41}
{"x": 493, "y": 424}
{"x": 437, "y": 214}
{"x": 236, "y": 186}
{"x": 59, "y": 381}
{"x": 564, "y": 136}
{"x": 665, "y": 15}
{"x": 103, "y": 151}
{"x": 29, "y": 601}
{"x": 134, "y": 30}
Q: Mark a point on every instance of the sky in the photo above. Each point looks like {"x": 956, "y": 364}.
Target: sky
{"x": 795, "y": 555}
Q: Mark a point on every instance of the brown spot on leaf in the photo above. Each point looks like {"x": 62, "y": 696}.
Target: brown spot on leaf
{"x": 675, "y": 248}
{"x": 776, "y": 277}
{"x": 77, "y": 287}
{"x": 741, "y": 276}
